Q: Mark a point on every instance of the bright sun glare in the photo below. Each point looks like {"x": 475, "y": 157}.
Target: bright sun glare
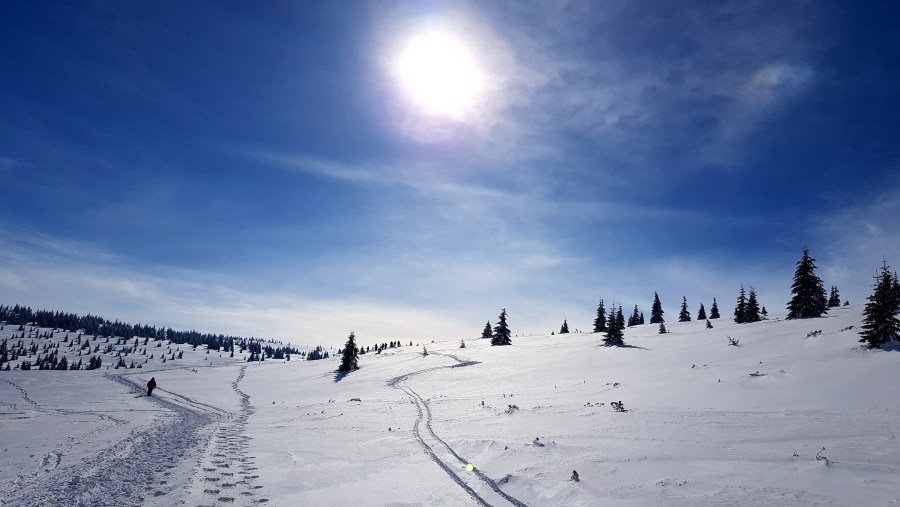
{"x": 440, "y": 75}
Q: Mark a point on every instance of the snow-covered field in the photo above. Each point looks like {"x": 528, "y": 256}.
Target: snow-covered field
{"x": 705, "y": 424}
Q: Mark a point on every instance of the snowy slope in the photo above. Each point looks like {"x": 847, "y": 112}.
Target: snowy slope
{"x": 699, "y": 428}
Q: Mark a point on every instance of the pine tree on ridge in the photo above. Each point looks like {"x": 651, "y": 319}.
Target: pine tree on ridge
{"x": 881, "y": 316}
{"x": 808, "y": 293}
{"x": 684, "y": 315}
{"x": 614, "y": 334}
{"x": 600, "y": 321}
{"x": 350, "y": 357}
{"x": 656, "y": 312}
{"x": 501, "y": 334}
{"x": 740, "y": 309}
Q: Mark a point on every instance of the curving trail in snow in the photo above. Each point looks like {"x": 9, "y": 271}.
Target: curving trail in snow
{"x": 228, "y": 475}
{"x": 131, "y": 472}
{"x": 193, "y": 454}
{"x": 479, "y": 486}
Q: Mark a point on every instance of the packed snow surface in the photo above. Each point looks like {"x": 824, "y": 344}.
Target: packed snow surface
{"x": 701, "y": 423}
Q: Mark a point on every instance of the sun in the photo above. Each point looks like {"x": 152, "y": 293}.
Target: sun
{"x": 440, "y": 75}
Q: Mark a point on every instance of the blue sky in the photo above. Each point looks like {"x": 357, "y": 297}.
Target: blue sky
{"x": 260, "y": 168}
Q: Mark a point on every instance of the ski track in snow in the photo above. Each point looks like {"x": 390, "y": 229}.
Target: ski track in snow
{"x": 139, "y": 468}
{"x": 483, "y": 496}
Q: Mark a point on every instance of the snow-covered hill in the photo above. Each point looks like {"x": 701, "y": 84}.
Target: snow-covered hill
{"x": 705, "y": 423}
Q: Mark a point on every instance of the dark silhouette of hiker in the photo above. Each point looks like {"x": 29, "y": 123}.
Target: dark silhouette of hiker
{"x": 151, "y": 385}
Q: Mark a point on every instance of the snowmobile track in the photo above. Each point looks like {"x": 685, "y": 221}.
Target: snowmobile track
{"x": 424, "y": 412}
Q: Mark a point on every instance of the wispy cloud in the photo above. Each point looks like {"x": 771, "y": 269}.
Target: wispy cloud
{"x": 72, "y": 276}
{"x": 643, "y": 78}
{"x": 858, "y": 237}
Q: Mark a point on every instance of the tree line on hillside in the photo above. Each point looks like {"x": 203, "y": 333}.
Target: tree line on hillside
{"x": 100, "y": 327}
{"x": 881, "y": 318}
{"x": 881, "y": 324}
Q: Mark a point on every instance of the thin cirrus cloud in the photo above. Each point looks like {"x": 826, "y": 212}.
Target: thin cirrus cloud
{"x": 637, "y": 78}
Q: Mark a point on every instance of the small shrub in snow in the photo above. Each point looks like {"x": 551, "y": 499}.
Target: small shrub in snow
{"x": 617, "y": 406}
{"x": 733, "y": 342}
{"x": 511, "y": 408}
{"x": 819, "y": 457}
{"x": 575, "y": 476}
{"x": 815, "y": 333}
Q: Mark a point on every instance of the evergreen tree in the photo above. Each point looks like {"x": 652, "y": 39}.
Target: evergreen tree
{"x": 701, "y": 314}
{"x": 662, "y": 328}
{"x": 740, "y": 310}
{"x": 808, "y": 293}
{"x": 752, "y": 310}
{"x": 635, "y": 317}
{"x": 834, "y": 299}
{"x": 501, "y": 331}
{"x": 600, "y": 321}
{"x": 614, "y": 333}
{"x": 708, "y": 324}
{"x": 764, "y": 314}
{"x": 564, "y": 329}
{"x": 656, "y": 312}
{"x": 486, "y": 333}
{"x": 714, "y": 310}
{"x": 881, "y": 317}
{"x": 350, "y": 357}
{"x": 641, "y": 319}
{"x": 684, "y": 316}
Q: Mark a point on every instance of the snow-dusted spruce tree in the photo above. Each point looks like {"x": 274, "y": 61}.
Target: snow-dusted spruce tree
{"x": 501, "y": 331}
{"x": 751, "y": 313}
{"x": 564, "y": 329}
{"x": 684, "y": 315}
{"x": 881, "y": 317}
{"x": 740, "y": 309}
{"x": 701, "y": 313}
{"x": 714, "y": 310}
{"x": 834, "y": 298}
{"x": 808, "y": 293}
{"x": 486, "y": 333}
{"x": 656, "y": 312}
{"x": 350, "y": 357}
{"x": 600, "y": 321}
{"x": 614, "y": 330}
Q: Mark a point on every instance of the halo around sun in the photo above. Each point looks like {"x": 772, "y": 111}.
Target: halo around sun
{"x": 440, "y": 75}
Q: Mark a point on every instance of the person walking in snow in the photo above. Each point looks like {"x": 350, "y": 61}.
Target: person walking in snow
{"x": 151, "y": 385}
